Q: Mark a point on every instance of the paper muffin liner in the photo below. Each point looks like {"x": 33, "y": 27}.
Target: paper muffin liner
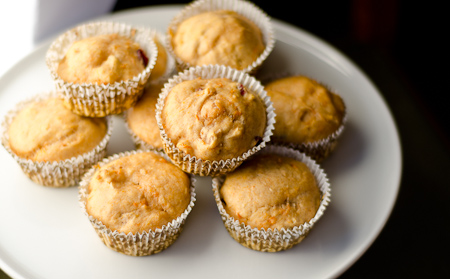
{"x": 93, "y": 99}
{"x": 245, "y": 8}
{"x": 139, "y": 244}
{"x": 58, "y": 174}
{"x": 170, "y": 67}
{"x": 194, "y": 165}
{"x": 275, "y": 240}
{"x": 139, "y": 143}
{"x": 317, "y": 150}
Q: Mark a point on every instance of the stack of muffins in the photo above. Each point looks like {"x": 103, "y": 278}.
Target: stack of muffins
{"x": 194, "y": 106}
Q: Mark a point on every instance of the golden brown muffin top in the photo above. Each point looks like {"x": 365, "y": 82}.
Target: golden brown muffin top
{"x": 161, "y": 61}
{"x": 102, "y": 59}
{"x": 48, "y": 131}
{"x": 213, "y": 119}
{"x": 218, "y": 37}
{"x": 141, "y": 118}
{"x": 306, "y": 110}
{"x": 138, "y": 193}
{"x": 271, "y": 191}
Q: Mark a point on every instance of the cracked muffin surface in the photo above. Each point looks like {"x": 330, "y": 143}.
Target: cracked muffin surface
{"x": 47, "y": 131}
{"x": 271, "y": 191}
{"x": 137, "y": 193}
{"x": 102, "y": 59}
{"x": 218, "y": 37}
{"x": 306, "y": 110}
{"x": 213, "y": 119}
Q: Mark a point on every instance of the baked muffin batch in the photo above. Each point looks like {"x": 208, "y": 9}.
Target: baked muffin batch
{"x": 193, "y": 104}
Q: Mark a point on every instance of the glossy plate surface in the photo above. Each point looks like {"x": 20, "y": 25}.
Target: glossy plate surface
{"x": 43, "y": 233}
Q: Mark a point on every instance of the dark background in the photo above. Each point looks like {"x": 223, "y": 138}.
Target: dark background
{"x": 400, "y": 46}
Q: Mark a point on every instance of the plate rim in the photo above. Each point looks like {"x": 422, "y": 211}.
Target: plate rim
{"x": 11, "y": 71}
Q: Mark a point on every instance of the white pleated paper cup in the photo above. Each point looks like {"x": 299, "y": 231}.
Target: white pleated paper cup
{"x": 245, "y": 8}
{"x": 93, "y": 99}
{"x": 318, "y": 150}
{"x": 321, "y": 149}
{"x": 139, "y": 244}
{"x": 57, "y": 174}
{"x": 275, "y": 240}
{"x": 198, "y": 166}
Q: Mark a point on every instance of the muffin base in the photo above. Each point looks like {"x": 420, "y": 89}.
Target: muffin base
{"x": 318, "y": 150}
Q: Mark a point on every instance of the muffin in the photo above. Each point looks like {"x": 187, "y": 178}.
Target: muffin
{"x": 273, "y": 199}
{"x": 53, "y": 145}
{"x": 165, "y": 63}
{"x": 101, "y": 68}
{"x": 232, "y": 33}
{"x": 309, "y": 115}
{"x": 211, "y": 118}
{"x": 271, "y": 191}
{"x": 218, "y": 37}
{"x": 141, "y": 121}
{"x": 137, "y": 202}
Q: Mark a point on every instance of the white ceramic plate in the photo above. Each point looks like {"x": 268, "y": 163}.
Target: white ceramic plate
{"x": 43, "y": 233}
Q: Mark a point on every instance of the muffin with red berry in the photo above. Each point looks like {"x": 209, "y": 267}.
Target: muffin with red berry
{"x": 212, "y": 118}
{"x": 101, "y": 68}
